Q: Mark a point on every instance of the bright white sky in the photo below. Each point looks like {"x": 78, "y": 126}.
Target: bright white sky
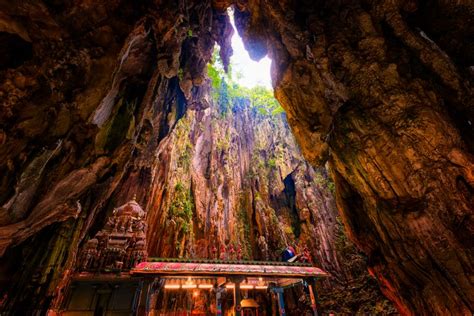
{"x": 253, "y": 73}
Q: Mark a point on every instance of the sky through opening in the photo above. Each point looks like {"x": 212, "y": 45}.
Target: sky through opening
{"x": 251, "y": 73}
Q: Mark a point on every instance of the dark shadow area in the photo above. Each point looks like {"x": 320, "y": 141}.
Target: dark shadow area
{"x": 14, "y": 50}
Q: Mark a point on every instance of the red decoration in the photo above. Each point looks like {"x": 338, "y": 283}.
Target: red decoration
{"x": 231, "y": 252}
{"x": 214, "y": 252}
{"x": 239, "y": 252}
{"x": 222, "y": 253}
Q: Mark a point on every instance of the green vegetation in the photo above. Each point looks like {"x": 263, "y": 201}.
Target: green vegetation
{"x": 331, "y": 186}
{"x": 244, "y": 233}
{"x": 181, "y": 209}
{"x": 271, "y": 162}
{"x": 184, "y": 159}
{"x": 184, "y": 145}
{"x": 324, "y": 181}
{"x": 288, "y": 230}
{"x": 228, "y": 92}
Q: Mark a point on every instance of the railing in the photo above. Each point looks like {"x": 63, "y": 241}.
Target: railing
{"x": 217, "y": 261}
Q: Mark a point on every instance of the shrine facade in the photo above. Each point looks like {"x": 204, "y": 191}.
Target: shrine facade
{"x": 114, "y": 276}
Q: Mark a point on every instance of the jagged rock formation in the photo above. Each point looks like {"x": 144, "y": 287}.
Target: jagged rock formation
{"x": 380, "y": 89}
{"x": 237, "y": 179}
{"x": 81, "y": 116}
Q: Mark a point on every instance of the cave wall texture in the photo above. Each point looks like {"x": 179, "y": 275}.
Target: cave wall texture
{"x": 381, "y": 90}
{"x": 384, "y": 94}
{"x": 235, "y": 176}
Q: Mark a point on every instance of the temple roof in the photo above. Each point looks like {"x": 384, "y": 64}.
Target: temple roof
{"x": 217, "y": 261}
{"x": 130, "y": 208}
{"x": 227, "y": 268}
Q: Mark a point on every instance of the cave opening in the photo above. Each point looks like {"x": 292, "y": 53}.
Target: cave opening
{"x": 378, "y": 91}
{"x": 246, "y": 81}
{"x": 248, "y": 72}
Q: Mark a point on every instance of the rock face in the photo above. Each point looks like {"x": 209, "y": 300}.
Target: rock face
{"x": 92, "y": 96}
{"x": 81, "y": 116}
{"x": 382, "y": 90}
{"x": 235, "y": 182}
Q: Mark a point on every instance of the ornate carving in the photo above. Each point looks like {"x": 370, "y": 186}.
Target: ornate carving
{"x": 231, "y": 252}
{"x": 120, "y": 245}
{"x": 222, "y": 255}
{"x": 214, "y": 252}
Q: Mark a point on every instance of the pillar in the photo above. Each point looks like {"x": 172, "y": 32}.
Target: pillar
{"x": 312, "y": 290}
{"x": 153, "y": 292}
{"x": 237, "y": 299}
{"x": 143, "y": 303}
{"x": 237, "y": 307}
{"x": 281, "y": 302}
{"x": 219, "y": 291}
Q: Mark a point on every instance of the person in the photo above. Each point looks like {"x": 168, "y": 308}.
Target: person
{"x": 306, "y": 256}
{"x": 289, "y": 254}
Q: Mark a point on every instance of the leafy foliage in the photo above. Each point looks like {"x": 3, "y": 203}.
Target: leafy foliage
{"x": 181, "y": 210}
{"x": 324, "y": 181}
{"x": 244, "y": 232}
{"x": 271, "y": 162}
{"x": 184, "y": 159}
{"x": 227, "y": 91}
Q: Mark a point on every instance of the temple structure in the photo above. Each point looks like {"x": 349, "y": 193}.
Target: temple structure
{"x": 114, "y": 276}
{"x": 101, "y": 283}
{"x": 217, "y": 277}
{"x": 120, "y": 245}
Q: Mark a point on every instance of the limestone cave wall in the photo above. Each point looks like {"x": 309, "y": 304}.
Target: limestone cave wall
{"x": 382, "y": 90}
{"x": 83, "y": 109}
{"x": 92, "y": 95}
{"x": 236, "y": 177}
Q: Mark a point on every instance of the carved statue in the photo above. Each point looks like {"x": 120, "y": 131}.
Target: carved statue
{"x": 214, "y": 252}
{"x": 222, "y": 252}
{"x": 239, "y": 252}
{"x": 306, "y": 255}
{"x": 231, "y": 252}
